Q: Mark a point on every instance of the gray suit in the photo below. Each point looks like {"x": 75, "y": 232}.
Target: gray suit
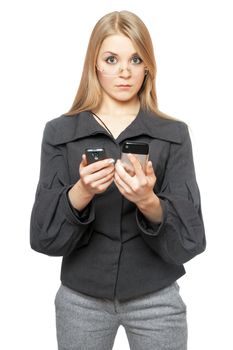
{"x": 110, "y": 249}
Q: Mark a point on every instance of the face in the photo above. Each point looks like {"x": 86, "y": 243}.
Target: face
{"x": 120, "y": 69}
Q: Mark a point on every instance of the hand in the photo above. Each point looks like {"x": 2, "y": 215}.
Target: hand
{"x": 96, "y": 177}
{"x": 136, "y": 186}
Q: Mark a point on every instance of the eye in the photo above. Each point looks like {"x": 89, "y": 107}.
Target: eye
{"x": 136, "y": 60}
{"x": 111, "y": 60}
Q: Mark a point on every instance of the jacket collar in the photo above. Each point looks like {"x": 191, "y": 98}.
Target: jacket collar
{"x": 71, "y": 128}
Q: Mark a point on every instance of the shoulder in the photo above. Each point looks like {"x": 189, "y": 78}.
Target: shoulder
{"x": 168, "y": 120}
{"x": 60, "y": 122}
{"x": 169, "y": 129}
{"x": 61, "y": 128}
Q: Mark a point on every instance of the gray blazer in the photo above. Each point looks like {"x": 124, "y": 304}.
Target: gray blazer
{"x": 110, "y": 249}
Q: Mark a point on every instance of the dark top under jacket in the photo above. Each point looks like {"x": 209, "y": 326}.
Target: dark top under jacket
{"x": 110, "y": 250}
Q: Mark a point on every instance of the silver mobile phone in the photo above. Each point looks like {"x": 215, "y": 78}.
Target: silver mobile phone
{"x": 138, "y": 149}
{"x": 95, "y": 154}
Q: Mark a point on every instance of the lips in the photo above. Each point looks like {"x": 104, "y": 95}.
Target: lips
{"x": 124, "y": 85}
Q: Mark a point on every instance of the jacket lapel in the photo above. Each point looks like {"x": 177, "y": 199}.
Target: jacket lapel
{"x": 71, "y": 128}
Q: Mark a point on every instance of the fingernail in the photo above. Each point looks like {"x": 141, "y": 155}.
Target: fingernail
{"x": 111, "y": 160}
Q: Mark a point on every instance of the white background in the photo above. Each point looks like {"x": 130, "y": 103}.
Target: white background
{"x": 43, "y": 44}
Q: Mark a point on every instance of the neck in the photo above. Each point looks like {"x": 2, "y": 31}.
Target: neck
{"x": 118, "y": 108}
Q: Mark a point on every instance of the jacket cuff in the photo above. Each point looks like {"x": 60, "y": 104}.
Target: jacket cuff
{"x": 85, "y": 216}
{"x": 148, "y": 227}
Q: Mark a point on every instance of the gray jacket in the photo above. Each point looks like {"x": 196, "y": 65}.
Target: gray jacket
{"x": 110, "y": 249}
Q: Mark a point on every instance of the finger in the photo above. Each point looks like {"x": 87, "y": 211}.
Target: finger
{"x": 96, "y": 166}
{"x": 150, "y": 170}
{"x": 84, "y": 160}
{"x": 103, "y": 183}
{"x": 102, "y": 187}
{"x": 137, "y": 166}
{"x": 119, "y": 168}
{"x": 98, "y": 175}
{"x": 129, "y": 169}
{"x": 121, "y": 185}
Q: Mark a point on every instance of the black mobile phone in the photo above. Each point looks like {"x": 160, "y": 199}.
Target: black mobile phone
{"x": 139, "y": 149}
{"x": 95, "y": 154}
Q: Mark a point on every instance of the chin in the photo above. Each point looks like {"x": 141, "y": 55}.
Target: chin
{"x": 124, "y": 96}
{"x": 122, "y": 99}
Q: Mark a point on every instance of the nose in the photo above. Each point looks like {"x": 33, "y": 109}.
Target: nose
{"x": 125, "y": 70}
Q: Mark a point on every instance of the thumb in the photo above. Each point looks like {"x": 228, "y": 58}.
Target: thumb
{"x": 149, "y": 169}
{"x": 84, "y": 161}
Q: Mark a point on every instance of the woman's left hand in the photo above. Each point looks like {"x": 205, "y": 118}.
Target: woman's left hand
{"x": 138, "y": 186}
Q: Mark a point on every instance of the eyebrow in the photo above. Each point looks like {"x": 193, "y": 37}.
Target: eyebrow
{"x": 115, "y": 54}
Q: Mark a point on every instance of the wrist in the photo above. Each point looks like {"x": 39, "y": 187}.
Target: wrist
{"x": 151, "y": 208}
{"x": 78, "y": 196}
{"x": 149, "y": 202}
{"x": 83, "y": 191}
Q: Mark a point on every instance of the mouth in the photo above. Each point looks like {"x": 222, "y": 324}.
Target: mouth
{"x": 123, "y": 85}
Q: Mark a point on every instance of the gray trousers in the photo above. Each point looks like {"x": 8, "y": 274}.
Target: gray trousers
{"x": 156, "y": 321}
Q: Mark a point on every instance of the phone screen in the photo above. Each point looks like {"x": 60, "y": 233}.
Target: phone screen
{"x": 95, "y": 154}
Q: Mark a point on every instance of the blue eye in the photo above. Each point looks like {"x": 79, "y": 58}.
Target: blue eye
{"x": 136, "y": 60}
{"x": 111, "y": 60}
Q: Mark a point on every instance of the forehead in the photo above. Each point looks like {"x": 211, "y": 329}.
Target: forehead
{"x": 117, "y": 43}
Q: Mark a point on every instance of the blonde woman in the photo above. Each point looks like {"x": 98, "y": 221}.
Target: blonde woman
{"x": 124, "y": 230}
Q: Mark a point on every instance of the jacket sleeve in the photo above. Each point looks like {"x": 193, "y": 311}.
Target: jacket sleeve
{"x": 181, "y": 234}
{"x": 56, "y": 228}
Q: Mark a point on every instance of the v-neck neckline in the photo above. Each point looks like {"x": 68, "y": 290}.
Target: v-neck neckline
{"x": 92, "y": 115}
{"x": 69, "y": 129}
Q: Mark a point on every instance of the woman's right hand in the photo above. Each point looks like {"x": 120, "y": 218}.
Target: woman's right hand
{"x": 94, "y": 178}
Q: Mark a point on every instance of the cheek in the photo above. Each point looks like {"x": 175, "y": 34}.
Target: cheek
{"x": 105, "y": 82}
{"x": 140, "y": 80}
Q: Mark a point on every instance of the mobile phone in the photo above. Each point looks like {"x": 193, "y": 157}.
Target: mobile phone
{"x": 138, "y": 149}
{"x": 95, "y": 154}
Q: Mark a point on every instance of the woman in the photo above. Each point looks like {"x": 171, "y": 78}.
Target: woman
{"x": 124, "y": 234}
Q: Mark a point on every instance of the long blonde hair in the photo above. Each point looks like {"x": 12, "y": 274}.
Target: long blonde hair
{"x": 89, "y": 94}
